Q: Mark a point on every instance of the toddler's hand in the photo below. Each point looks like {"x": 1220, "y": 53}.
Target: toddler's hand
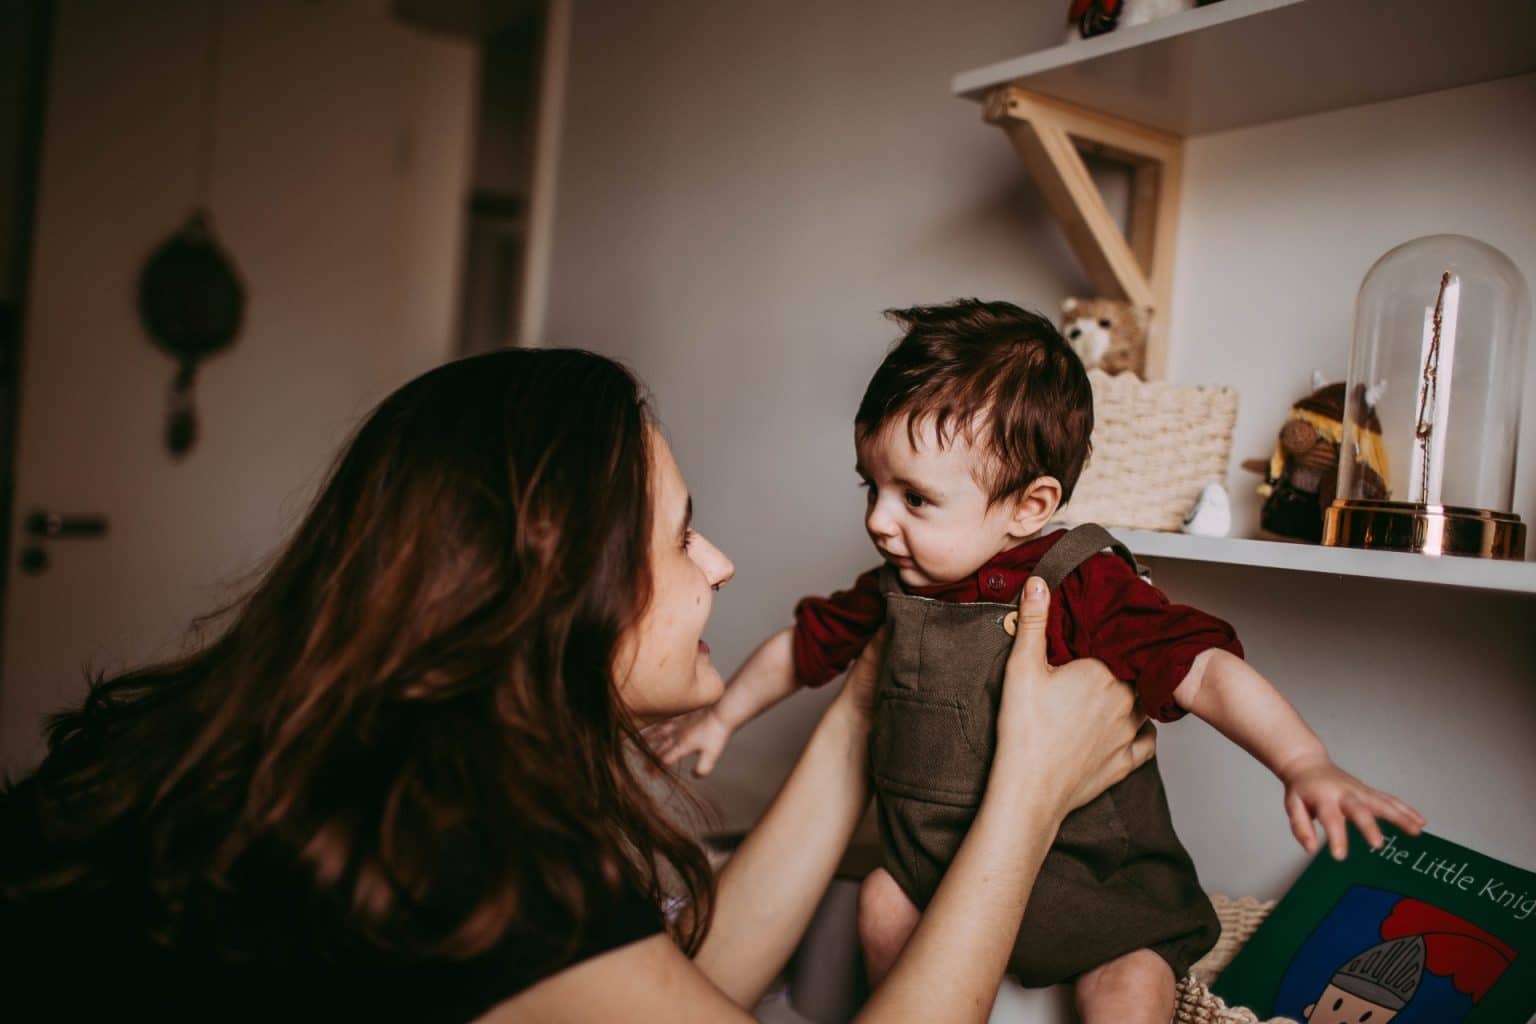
{"x": 703, "y": 732}
{"x": 1318, "y": 788}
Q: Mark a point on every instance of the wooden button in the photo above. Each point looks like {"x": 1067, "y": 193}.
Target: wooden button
{"x": 1011, "y": 623}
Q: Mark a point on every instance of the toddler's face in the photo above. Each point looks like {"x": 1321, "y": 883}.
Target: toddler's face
{"x": 927, "y": 514}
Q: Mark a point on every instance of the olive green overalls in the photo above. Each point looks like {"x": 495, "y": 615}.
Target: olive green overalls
{"x": 1116, "y": 880}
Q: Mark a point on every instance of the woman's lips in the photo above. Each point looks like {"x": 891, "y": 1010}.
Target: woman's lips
{"x": 703, "y": 647}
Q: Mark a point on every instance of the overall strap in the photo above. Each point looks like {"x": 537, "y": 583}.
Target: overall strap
{"x": 1080, "y": 544}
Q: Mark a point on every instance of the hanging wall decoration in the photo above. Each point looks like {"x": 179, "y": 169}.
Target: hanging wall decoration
{"x": 191, "y": 300}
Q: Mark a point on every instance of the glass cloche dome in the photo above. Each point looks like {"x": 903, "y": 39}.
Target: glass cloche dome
{"x": 1442, "y": 325}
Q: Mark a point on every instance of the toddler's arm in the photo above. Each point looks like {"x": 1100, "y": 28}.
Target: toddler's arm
{"x": 1227, "y": 692}
{"x": 764, "y": 679}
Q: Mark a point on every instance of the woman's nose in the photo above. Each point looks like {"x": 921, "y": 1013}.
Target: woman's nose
{"x": 718, "y": 569}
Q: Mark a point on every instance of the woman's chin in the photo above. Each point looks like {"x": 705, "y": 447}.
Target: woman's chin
{"x": 708, "y": 687}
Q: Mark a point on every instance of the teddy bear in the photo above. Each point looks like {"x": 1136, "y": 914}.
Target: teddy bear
{"x": 1110, "y": 334}
{"x": 1301, "y": 477}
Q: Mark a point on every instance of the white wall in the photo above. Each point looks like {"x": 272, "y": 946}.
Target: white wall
{"x": 341, "y": 167}
{"x": 744, "y": 187}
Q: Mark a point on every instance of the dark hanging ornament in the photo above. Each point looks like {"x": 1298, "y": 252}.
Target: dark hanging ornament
{"x": 191, "y": 302}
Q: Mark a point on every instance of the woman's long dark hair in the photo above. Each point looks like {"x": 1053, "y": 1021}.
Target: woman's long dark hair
{"x": 424, "y": 673}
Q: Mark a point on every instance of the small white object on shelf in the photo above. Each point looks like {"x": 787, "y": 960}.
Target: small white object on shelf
{"x": 1211, "y": 515}
{"x": 1244, "y": 62}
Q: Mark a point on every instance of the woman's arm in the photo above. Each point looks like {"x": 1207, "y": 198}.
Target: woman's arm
{"x": 770, "y": 887}
{"x": 765, "y": 894}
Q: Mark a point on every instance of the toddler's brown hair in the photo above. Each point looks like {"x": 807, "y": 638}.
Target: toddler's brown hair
{"x": 1000, "y": 376}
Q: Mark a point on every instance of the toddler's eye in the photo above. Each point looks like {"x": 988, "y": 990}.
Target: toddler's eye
{"x": 915, "y": 500}
{"x": 1104, "y": 324}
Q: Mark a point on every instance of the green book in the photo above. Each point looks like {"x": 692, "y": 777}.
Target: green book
{"x": 1421, "y": 931}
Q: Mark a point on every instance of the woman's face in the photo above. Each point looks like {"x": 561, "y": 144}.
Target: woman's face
{"x": 663, "y": 664}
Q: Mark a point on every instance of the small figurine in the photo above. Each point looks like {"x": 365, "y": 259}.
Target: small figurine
{"x": 1110, "y": 334}
{"x": 1211, "y": 515}
{"x": 1301, "y": 476}
{"x": 1095, "y": 17}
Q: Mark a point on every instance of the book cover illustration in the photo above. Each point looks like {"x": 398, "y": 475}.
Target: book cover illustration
{"x": 1420, "y": 931}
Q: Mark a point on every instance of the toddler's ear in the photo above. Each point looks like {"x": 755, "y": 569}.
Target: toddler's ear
{"x": 1035, "y": 507}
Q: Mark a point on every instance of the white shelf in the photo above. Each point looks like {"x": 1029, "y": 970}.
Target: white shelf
{"x": 1244, "y": 62}
{"x": 1473, "y": 573}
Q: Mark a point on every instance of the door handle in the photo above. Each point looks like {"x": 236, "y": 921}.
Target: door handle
{"x": 41, "y": 526}
{"x": 52, "y": 526}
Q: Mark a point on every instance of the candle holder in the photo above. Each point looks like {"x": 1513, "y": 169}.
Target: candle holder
{"x": 1441, "y": 331}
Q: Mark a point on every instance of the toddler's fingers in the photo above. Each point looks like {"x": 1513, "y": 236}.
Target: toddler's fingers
{"x": 680, "y": 749}
{"x": 1398, "y": 813}
{"x": 1365, "y": 821}
{"x": 1333, "y": 827}
{"x": 1301, "y": 823}
{"x": 1406, "y": 813}
{"x": 707, "y": 759}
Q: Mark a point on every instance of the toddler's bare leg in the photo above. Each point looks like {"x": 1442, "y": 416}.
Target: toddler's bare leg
{"x": 886, "y": 920}
{"x": 1137, "y": 988}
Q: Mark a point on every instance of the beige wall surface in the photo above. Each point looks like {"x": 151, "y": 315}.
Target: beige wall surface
{"x": 341, "y": 166}
{"x": 745, "y": 186}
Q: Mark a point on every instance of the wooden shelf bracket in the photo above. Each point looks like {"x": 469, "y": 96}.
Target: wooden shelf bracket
{"x": 1047, "y": 133}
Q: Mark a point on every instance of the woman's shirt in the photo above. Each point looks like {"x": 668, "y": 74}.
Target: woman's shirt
{"x": 90, "y": 954}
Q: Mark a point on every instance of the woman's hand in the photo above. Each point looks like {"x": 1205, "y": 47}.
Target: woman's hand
{"x": 1073, "y": 729}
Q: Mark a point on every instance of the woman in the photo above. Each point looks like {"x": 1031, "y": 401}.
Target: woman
{"x": 401, "y": 783}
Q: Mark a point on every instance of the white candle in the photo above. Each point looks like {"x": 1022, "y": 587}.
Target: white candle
{"x": 1446, "y": 364}
{"x": 1429, "y": 451}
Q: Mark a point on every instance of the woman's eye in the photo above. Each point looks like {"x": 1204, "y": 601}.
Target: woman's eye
{"x": 915, "y": 500}
{"x": 688, "y": 536}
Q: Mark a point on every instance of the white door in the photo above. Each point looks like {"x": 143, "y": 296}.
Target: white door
{"x": 341, "y": 159}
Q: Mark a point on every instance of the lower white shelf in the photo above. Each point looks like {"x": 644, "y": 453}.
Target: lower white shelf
{"x": 1473, "y": 573}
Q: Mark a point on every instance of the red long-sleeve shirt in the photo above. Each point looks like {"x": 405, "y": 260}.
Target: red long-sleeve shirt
{"x": 1103, "y": 610}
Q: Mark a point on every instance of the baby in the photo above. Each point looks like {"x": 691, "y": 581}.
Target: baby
{"x": 971, "y": 434}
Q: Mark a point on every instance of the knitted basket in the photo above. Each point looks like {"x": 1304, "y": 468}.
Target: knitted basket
{"x": 1155, "y": 446}
{"x": 1239, "y": 918}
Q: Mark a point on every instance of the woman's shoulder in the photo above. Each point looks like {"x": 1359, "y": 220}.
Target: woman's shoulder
{"x": 647, "y": 980}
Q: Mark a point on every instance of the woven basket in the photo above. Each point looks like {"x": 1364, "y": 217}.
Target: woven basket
{"x": 1155, "y": 446}
{"x": 1239, "y": 918}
